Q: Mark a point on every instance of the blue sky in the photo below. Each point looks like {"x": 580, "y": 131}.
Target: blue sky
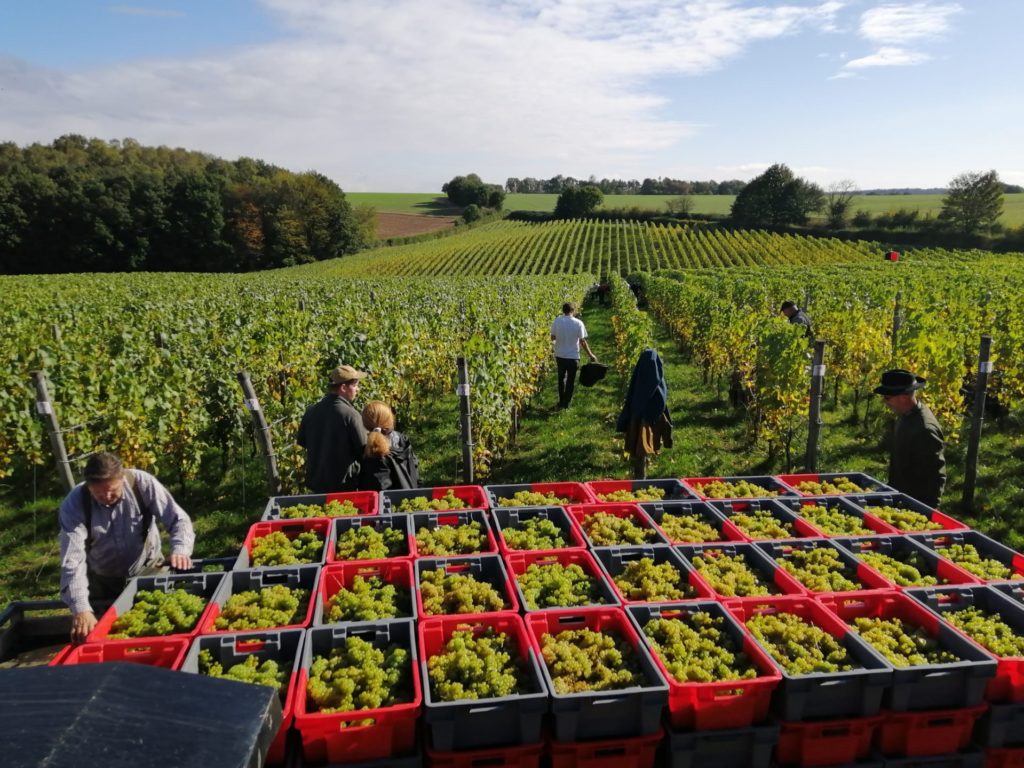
{"x": 400, "y": 95}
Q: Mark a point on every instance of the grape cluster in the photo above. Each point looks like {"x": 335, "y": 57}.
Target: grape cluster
{"x": 252, "y": 670}
{"x": 834, "y": 521}
{"x": 451, "y": 539}
{"x": 902, "y": 644}
{"x": 585, "y": 660}
{"x": 989, "y": 629}
{"x": 729, "y": 575}
{"x": 555, "y": 585}
{"x": 333, "y": 508}
{"x": 969, "y": 558}
{"x": 358, "y": 675}
{"x": 650, "y": 493}
{"x": 481, "y": 667}
{"x": 448, "y": 593}
{"x": 277, "y": 549}
{"x": 740, "y": 489}
{"x": 762, "y": 524}
{"x": 533, "y": 499}
{"x": 368, "y": 599}
{"x": 904, "y": 519}
{"x": 903, "y": 573}
{"x": 820, "y": 569}
{"x": 696, "y": 649}
{"x": 831, "y": 487}
{"x": 158, "y": 613}
{"x": 642, "y": 580}
{"x": 688, "y": 528}
{"x": 534, "y": 533}
{"x": 364, "y": 542}
{"x": 798, "y": 646}
{"x": 273, "y": 606}
{"x": 423, "y": 504}
{"x": 606, "y": 529}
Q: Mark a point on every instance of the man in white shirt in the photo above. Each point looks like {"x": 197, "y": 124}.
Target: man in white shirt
{"x": 568, "y": 333}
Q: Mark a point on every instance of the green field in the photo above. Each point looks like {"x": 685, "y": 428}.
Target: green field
{"x": 436, "y": 205}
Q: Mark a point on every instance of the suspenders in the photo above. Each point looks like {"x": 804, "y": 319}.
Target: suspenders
{"x": 86, "y": 503}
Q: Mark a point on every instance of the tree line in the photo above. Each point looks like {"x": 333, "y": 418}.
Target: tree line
{"x": 556, "y": 185}
{"x": 89, "y": 205}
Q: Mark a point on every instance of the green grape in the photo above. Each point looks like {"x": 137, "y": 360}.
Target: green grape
{"x": 904, "y": 519}
{"x": 688, "y": 528}
{"x": 451, "y": 539}
{"x": 277, "y": 549}
{"x": 650, "y": 493}
{"x": 252, "y": 670}
{"x": 740, "y": 489}
{"x": 368, "y": 599}
{"x": 820, "y": 569}
{"x": 730, "y": 576}
{"x": 553, "y": 585}
{"x": 585, "y": 660}
{"x": 987, "y": 568}
{"x": 605, "y": 528}
{"x": 902, "y": 644}
{"x": 482, "y": 667}
{"x": 904, "y": 573}
{"x": 448, "y": 593}
{"x": 831, "y": 487}
{"x": 273, "y": 606}
{"x": 533, "y": 499}
{"x": 696, "y": 649}
{"x": 156, "y": 612}
{"x": 423, "y": 504}
{"x": 333, "y": 508}
{"x": 358, "y": 675}
{"x": 989, "y": 630}
{"x": 798, "y": 646}
{"x": 762, "y": 524}
{"x": 535, "y": 533}
{"x": 364, "y": 542}
{"x": 643, "y": 580}
{"x": 834, "y": 522}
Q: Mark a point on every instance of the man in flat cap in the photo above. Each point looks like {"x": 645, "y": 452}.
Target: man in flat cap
{"x": 333, "y": 434}
{"x": 917, "y": 466}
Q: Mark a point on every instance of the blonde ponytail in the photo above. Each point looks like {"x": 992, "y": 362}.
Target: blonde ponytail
{"x": 379, "y": 420}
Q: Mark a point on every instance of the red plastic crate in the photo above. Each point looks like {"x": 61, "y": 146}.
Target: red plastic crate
{"x": 897, "y": 545}
{"x": 728, "y": 508}
{"x": 767, "y": 482}
{"x": 826, "y": 742}
{"x": 674, "y": 490}
{"x": 432, "y": 520}
{"x": 930, "y": 732}
{"x": 872, "y": 523}
{"x": 401, "y": 522}
{"x": 336, "y": 576}
{"x": 154, "y": 652}
{"x": 527, "y": 756}
{"x": 580, "y": 512}
{"x": 488, "y": 569}
{"x": 869, "y": 578}
{"x": 925, "y": 686}
{"x": 367, "y": 502}
{"x": 505, "y": 518}
{"x": 204, "y": 584}
{"x": 614, "y": 560}
{"x": 760, "y": 564}
{"x": 291, "y": 529}
{"x": 866, "y": 482}
{"x": 1004, "y": 758}
{"x": 718, "y": 705}
{"x": 902, "y": 501}
{"x": 335, "y": 736}
{"x": 472, "y": 496}
{"x": 518, "y": 562}
{"x": 292, "y": 576}
{"x": 637, "y": 752}
{"x": 987, "y": 548}
{"x": 483, "y": 724}
{"x": 576, "y": 493}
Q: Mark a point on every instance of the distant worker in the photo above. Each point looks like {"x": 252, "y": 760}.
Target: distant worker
{"x": 568, "y": 333}
{"x": 333, "y": 434}
{"x": 797, "y": 317}
{"x": 108, "y": 534}
{"x": 917, "y": 466}
{"x": 389, "y": 461}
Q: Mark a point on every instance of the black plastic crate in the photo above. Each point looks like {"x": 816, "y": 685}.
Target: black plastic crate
{"x": 902, "y": 501}
{"x": 749, "y": 747}
{"x": 487, "y": 569}
{"x": 672, "y": 488}
{"x": 460, "y": 517}
{"x": 865, "y": 482}
{"x": 1001, "y": 727}
{"x": 505, "y": 518}
{"x": 658, "y": 511}
{"x": 987, "y": 548}
{"x": 971, "y": 758}
{"x": 853, "y": 569}
{"x": 766, "y": 570}
{"x": 800, "y": 528}
{"x": 402, "y": 523}
{"x": 870, "y": 524}
{"x": 614, "y": 560}
{"x": 902, "y": 548}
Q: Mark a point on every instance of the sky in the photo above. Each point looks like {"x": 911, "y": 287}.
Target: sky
{"x": 401, "y": 95}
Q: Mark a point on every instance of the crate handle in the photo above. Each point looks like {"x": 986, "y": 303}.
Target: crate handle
{"x": 940, "y": 722}
{"x": 482, "y": 710}
{"x": 137, "y": 649}
{"x": 373, "y": 570}
{"x": 243, "y": 645}
{"x": 602, "y": 702}
{"x": 728, "y": 693}
{"x": 610, "y": 752}
{"x": 482, "y": 762}
{"x": 835, "y": 731}
{"x": 347, "y": 726}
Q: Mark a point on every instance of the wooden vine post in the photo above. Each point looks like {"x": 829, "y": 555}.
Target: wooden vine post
{"x": 44, "y": 407}
{"x": 262, "y": 433}
{"x": 465, "y": 420}
{"x": 977, "y": 417}
{"x": 814, "y": 412}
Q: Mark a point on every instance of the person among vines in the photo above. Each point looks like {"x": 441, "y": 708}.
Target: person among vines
{"x": 333, "y": 434}
{"x": 797, "y": 316}
{"x": 917, "y": 465}
{"x": 568, "y": 333}
{"x": 388, "y": 460}
{"x": 108, "y": 534}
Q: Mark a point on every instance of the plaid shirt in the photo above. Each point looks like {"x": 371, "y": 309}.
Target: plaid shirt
{"x": 117, "y": 548}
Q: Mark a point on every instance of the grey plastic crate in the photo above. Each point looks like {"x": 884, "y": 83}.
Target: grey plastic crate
{"x": 458, "y": 517}
{"x": 972, "y": 758}
{"x": 766, "y": 570}
{"x": 613, "y": 560}
{"x": 658, "y": 510}
{"x": 1001, "y": 727}
{"x": 305, "y": 577}
{"x": 731, "y": 748}
{"x": 504, "y": 518}
{"x": 203, "y": 584}
{"x": 903, "y": 548}
{"x": 378, "y": 523}
{"x": 853, "y": 568}
{"x": 729, "y": 508}
{"x": 902, "y": 501}
{"x": 486, "y": 569}
{"x": 872, "y": 524}
{"x": 986, "y": 547}
{"x": 280, "y": 645}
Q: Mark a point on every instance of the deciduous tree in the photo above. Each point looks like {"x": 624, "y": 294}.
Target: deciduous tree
{"x": 974, "y": 201}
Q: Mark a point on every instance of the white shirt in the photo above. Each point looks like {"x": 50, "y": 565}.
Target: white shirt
{"x": 568, "y": 331}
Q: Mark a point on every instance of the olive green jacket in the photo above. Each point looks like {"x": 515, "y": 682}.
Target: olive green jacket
{"x": 917, "y": 466}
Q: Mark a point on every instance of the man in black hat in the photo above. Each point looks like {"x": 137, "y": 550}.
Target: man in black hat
{"x": 797, "y": 316}
{"x": 917, "y": 466}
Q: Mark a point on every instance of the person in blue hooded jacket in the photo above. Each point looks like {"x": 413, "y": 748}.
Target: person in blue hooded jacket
{"x": 645, "y": 417}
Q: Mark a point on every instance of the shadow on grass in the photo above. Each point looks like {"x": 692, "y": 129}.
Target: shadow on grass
{"x": 439, "y": 206}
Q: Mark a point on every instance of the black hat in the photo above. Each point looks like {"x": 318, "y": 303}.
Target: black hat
{"x": 591, "y": 373}
{"x": 899, "y": 382}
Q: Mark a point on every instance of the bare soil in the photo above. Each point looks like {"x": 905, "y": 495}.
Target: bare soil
{"x": 406, "y": 224}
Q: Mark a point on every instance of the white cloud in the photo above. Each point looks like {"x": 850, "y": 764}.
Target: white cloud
{"x": 889, "y": 57}
{"x": 902, "y": 23}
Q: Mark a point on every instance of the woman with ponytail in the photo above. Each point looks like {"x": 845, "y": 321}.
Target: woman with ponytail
{"x": 389, "y": 461}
